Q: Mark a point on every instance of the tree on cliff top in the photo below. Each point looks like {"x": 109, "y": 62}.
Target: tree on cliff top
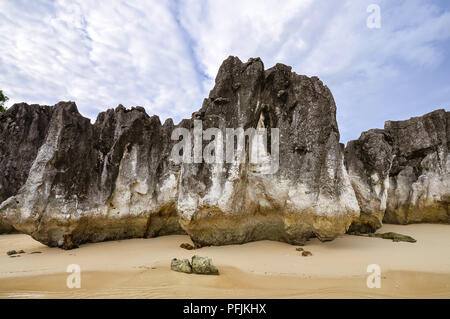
{"x": 3, "y": 99}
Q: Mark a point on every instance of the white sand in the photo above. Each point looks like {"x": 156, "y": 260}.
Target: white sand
{"x": 140, "y": 268}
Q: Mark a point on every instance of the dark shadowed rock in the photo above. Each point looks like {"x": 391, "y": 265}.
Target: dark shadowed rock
{"x": 6, "y": 228}
{"x": 390, "y": 235}
{"x": 96, "y": 182}
{"x": 187, "y": 246}
{"x": 309, "y": 195}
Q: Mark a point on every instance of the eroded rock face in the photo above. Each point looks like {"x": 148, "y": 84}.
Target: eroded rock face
{"x": 420, "y": 174}
{"x": 368, "y": 161}
{"x": 402, "y": 174}
{"x": 309, "y": 195}
{"x": 116, "y": 178}
{"x": 6, "y": 228}
{"x": 203, "y": 266}
{"x": 22, "y": 131}
{"x": 97, "y": 182}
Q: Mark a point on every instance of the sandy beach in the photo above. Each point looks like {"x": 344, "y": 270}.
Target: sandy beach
{"x": 140, "y": 268}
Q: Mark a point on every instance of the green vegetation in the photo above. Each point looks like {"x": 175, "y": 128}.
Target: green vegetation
{"x": 3, "y": 99}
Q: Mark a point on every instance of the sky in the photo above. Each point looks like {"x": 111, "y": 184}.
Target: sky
{"x": 164, "y": 55}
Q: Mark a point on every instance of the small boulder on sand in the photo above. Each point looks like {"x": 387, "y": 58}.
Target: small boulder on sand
{"x": 181, "y": 265}
{"x": 14, "y": 252}
{"x": 68, "y": 243}
{"x": 204, "y": 266}
{"x": 306, "y": 253}
{"x": 187, "y": 246}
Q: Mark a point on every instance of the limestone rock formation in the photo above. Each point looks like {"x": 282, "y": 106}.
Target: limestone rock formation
{"x": 309, "y": 195}
{"x": 402, "y": 174}
{"x": 96, "y": 182}
{"x": 181, "y": 265}
{"x": 368, "y": 161}
{"x": 117, "y": 178}
{"x": 22, "y": 131}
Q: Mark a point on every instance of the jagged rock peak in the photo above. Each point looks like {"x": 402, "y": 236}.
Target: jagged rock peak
{"x": 401, "y": 174}
{"x": 116, "y": 178}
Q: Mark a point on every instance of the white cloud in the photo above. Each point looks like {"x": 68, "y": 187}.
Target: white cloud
{"x": 164, "y": 55}
{"x": 98, "y": 54}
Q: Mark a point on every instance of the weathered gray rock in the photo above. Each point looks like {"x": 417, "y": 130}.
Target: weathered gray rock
{"x": 96, "y": 182}
{"x": 115, "y": 178}
{"x": 401, "y": 174}
{"x": 181, "y": 265}
{"x": 203, "y": 266}
{"x": 395, "y": 237}
{"x": 6, "y": 228}
{"x": 368, "y": 161}
{"x": 22, "y": 131}
{"x": 310, "y": 194}
{"x": 420, "y": 175}
{"x": 187, "y": 246}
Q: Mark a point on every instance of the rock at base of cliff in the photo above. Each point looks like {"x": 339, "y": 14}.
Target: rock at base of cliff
{"x": 6, "y": 228}
{"x": 198, "y": 265}
{"x": 390, "y": 235}
{"x": 396, "y": 237}
{"x": 401, "y": 174}
{"x": 187, "y": 246}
